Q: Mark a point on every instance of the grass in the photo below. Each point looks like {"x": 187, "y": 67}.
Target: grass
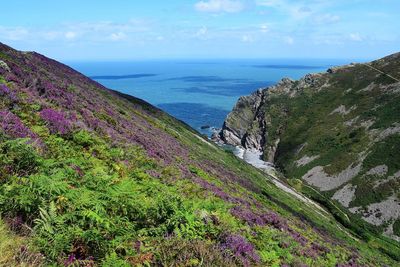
{"x": 14, "y": 250}
{"x": 9, "y": 245}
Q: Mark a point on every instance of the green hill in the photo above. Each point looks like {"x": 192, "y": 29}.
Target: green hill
{"x": 336, "y": 137}
{"x": 92, "y": 177}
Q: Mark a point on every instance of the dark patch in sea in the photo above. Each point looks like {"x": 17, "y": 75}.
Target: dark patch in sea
{"x": 196, "y": 115}
{"x": 120, "y": 77}
{"x": 235, "y": 89}
{"x": 205, "y": 79}
{"x": 292, "y": 67}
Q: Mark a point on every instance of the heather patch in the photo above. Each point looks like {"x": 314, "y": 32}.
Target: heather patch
{"x": 13, "y": 126}
{"x": 56, "y": 121}
{"x": 240, "y": 249}
{"x": 7, "y": 95}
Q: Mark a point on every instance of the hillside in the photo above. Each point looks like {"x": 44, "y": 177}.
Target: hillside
{"x": 92, "y": 177}
{"x": 335, "y": 136}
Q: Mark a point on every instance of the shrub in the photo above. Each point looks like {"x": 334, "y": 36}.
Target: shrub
{"x": 240, "y": 249}
{"x": 182, "y": 252}
{"x": 56, "y": 121}
{"x": 396, "y": 227}
{"x": 83, "y": 138}
{"x": 17, "y": 157}
{"x": 113, "y": 260}
{"x": 13, "y": 126}
{"x": 7, "y": 94}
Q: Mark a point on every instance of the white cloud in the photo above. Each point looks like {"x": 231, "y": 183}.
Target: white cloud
{"x": 70, "y": 35}
{"x": 326, "y": 18}
{"x": 326, "y": 38}
{"x": 270, "y": 3}
{"x": 117, "y": 36}
{"x": 94, "y": 32}
{"x": 108, "y": 26}
{"x": 264, "y": 28}
{"x": 295, "y": 11}
{"x": 103, "y": 30}
{"x": 356, "y": 37}
{"x": 301, "y": 9}
{"x": 301, "y": 12}
{"x": 247, "y": 38}
{"x": 288, "y": 40}
{"x": 13, "y": 33}
{"x": 202, "y": 33}
{"x": 51, "y": 35}
{"x": 217, "y": 6}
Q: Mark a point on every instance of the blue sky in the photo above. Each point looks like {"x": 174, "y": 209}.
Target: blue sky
{"x": 137, "y": 29}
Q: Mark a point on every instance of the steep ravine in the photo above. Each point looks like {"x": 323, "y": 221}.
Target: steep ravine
{"x": 335, "y": 136}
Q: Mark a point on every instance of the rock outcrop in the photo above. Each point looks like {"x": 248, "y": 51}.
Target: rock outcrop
{"x": 242, "y": 126}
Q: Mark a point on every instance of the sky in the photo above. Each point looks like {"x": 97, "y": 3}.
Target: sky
{"x": 202, "y": 29}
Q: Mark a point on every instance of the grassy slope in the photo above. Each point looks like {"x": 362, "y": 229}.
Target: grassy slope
{"x": 308, "y": 119}
{"x": 88, "y": 177}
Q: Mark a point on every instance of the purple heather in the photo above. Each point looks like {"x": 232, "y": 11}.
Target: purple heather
{"x": 56, "y": 121}
{"x": 240, "y": 248}
{"x": 13, "y": 126}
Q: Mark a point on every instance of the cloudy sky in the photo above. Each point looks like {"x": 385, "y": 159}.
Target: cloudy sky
{"x": 154, "y": 29}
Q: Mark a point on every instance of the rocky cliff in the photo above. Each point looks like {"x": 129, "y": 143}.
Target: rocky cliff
{"x": 337, "y": 132}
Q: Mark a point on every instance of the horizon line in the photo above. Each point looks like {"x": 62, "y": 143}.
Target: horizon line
{"x": 188, "y": 59}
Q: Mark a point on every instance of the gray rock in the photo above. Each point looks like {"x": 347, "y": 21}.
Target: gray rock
{"x": 345, "y": 195}
{"x": 4, "y": 66}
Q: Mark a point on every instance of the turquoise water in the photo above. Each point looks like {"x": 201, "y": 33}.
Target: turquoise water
{"x": 199, "y": 92}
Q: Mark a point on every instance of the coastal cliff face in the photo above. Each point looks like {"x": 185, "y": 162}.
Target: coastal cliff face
{"x": 245, "y": 116}
{"x": 337, "y": 132}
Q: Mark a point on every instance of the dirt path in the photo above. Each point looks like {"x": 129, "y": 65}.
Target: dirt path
{"x": 378, "y": 70}
{"x": 299, "y": 196}
{"x": 254, "y": 158}
{"x": 266, "y": 167}
{"x": 321, "y": 211}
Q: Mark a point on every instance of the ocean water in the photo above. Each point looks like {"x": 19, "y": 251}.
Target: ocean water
{"x": 198, "y": 92}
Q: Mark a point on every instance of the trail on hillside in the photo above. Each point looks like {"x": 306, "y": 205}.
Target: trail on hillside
{"x": 378, "y": 70}
{"x": 268, "y": 168}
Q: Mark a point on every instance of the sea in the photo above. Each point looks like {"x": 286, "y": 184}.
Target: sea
{"x": 199, "y": 92}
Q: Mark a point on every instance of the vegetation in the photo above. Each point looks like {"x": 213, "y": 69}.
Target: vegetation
{"x": 396, "y": 227}
{"x": 13, "y": 249}
{"x": 90, "y": 177}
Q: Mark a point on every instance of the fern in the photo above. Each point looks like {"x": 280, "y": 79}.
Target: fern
{"x": 46, "y": 219}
